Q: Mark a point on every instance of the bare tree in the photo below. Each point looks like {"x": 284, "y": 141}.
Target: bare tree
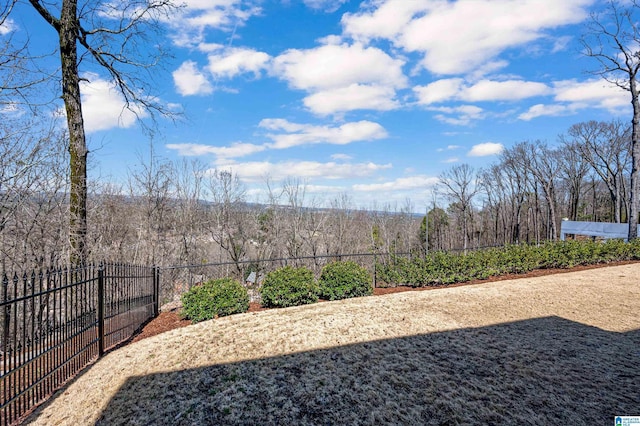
{"x": 313, "y": 228}
{"x": 294, "y": 192}
{"x": 227, "y": 226}
{"x": 152, "y": 185}
{"x": 542, "y": 163}
{"x": 573, "y": 169}
{"x": 110, "y": 35}
{"x": 605, "y": 147}
{"x": 379, "y": 219}
{"x": 612, "y": 39}
{"x": 339, "y": 225}
{"x": 112, "y": 214}
{"x": 497, "y": 201}
{"x": 461, "y": 185}
{"x": 32, "y": 187}
{"x": 189, "y": 209}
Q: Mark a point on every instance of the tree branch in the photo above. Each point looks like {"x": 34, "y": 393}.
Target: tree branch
{"x": 55, "y": 23}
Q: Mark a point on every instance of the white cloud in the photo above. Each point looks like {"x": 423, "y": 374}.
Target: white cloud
{"x": 324, "y": 189}
{"x": 352, "y": 97}
{"x": 451, "y": 160}
{"x": 540, "y": 110}
{"x": 572, "y": 96}
{"x": 458, "y": 37}
{"x": 510, "y": 90}
{"x": 223, "y": 63}
{"x": 258, "y": 171}
{"x": 191, "y": 21}
{"x": 483, "y": 90}
{"x": 12, "y": 109}
{"x": 449, "y": 148}
{"x": 595, "y": 92}
{"x": 560, "y": 43}
{"x": 460, "y": 116}
{"x": 342, "y": 77}
{"x": 331, "y": 39}
{"x": 486, "y": 149}
{"x": 175, "y": 107}
{"x": 489, "y": 67}
{"x": 7, "y": 27}
{"x": 400, "y": 184}
{"x": 293, "y": 134}
{"x": 341, "y": 157}
{"x": 209, "y": 47}
{"x": 439, "y": 91}
{"x": 386, "y": 20}
{"x": 190, "y": 81}
{"x": 463, "y": 35}
{"x": 333, "y": 66}
{"x": 325, "y": 5}
{"x": 235, "y": 150}
{"x": 103, "y": 107}
{"x": 234, "y": 61}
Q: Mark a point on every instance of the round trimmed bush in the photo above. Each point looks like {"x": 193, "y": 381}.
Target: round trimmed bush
{"x": 215, "y": 298}
{"x": 341, "y": 280}
{"x": 289, "y": 286}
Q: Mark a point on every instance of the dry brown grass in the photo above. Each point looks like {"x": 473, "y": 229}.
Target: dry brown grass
{"x": 562, "y": 349}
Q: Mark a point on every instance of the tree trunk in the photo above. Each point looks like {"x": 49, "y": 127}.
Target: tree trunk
{"x": 635, "y": 160}
{"x": 68, "y": 32}
{"x": 553, "y": 227}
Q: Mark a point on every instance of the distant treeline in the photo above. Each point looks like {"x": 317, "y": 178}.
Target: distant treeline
{"x": 160, "y": 215}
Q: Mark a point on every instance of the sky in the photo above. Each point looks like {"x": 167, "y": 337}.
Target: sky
{"x": 373, "y": 99}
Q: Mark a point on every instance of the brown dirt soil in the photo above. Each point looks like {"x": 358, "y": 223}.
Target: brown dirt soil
{"x": 554, "y": 349}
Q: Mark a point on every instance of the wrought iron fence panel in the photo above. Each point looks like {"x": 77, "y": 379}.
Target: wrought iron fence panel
{"x": 55, "y": 322}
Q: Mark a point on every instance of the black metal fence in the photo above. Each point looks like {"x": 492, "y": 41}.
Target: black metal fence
{"x": 56, "y": 322}
{"x": 177, "y": 280}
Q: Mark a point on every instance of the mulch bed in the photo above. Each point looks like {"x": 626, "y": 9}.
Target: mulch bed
{"x": 170, "y": 320}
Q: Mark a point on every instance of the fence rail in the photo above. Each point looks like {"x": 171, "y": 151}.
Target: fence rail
{"x": 55, "y": 322}
{"x": 178, "y": 279}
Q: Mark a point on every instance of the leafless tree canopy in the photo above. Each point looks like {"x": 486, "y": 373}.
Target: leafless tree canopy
{"x": 112, "y": 37}
{"x": 612, "y": 39}
{"x": 181, "y": 212}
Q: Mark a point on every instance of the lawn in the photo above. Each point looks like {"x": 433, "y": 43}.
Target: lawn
{"x": 557, "y": 349}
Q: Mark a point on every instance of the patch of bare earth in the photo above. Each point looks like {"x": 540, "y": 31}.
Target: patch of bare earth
{"x": 555, "y": 349}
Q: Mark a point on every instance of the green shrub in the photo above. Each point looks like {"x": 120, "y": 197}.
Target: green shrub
{"x": 341, "y": 280}
{"x": 617, "y": 249}
{"x": 439, "y": 267}
{"x": 289, "y": 287}
{"x": 386, "y": 273}
{"x": 215, "y": 298}
{"x": 634, "y": 249}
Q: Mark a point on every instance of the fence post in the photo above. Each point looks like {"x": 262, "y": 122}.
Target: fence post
{"x": 375, "y": 270}
{"x": 7, "y": 316}
{"x": 156, "y": 291}
{"x": 101, "y": 310}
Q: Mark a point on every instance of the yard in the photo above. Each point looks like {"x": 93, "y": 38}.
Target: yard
{"x": 557, "y": 349}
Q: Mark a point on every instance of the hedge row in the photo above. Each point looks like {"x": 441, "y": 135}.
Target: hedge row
{"x": 440, "y": 268}
{"x": 339, "y": 280}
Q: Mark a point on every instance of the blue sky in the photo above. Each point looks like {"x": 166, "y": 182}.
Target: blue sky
{"x": 373, "y": 99}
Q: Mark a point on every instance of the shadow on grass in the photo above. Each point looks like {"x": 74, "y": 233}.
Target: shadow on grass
{"x": 546, "y": 371}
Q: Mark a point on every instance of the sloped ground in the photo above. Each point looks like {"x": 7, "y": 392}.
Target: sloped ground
{"x": 558, "y": 349}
